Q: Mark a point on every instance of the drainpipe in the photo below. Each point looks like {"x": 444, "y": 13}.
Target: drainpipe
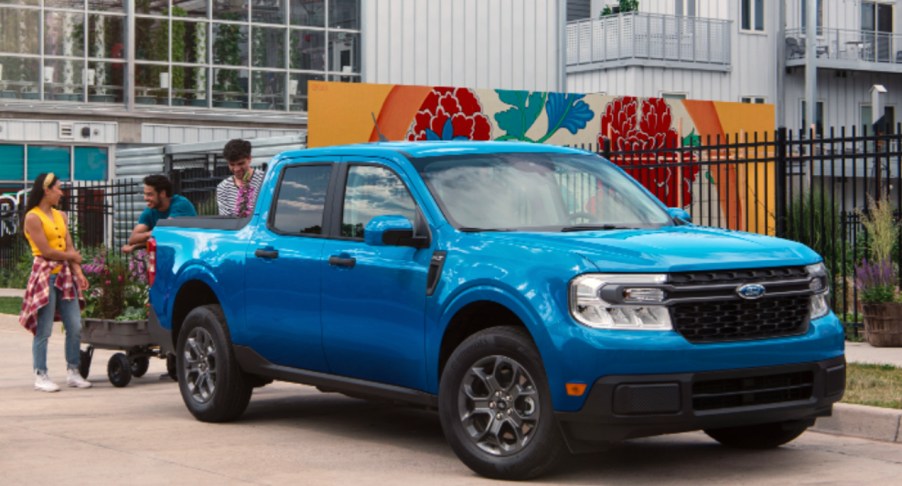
{"x": 811, "y": 65}
{"x": 779, "y": 92}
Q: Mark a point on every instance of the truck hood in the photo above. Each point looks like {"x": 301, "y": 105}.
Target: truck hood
{"x": 668, "y": 249}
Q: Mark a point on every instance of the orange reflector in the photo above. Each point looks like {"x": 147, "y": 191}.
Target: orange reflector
{"x": 576, "y": 389}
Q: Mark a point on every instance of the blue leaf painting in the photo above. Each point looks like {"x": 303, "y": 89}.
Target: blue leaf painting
{"x": 525, "y": 109}
{"x": 566, "y": 111}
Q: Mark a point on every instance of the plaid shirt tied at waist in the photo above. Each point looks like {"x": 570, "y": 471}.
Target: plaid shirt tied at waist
{"x": 37, "y": 293}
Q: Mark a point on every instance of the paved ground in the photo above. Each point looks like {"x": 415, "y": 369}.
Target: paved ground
{"x": 143, "y": 434}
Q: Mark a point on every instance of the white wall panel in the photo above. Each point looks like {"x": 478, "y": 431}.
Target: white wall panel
{"x": 842, "y": 97}
{"x": 509, "y": 44}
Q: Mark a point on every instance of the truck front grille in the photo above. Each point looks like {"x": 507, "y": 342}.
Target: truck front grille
{"x": 705, "y": 307}
{"x": 752, "y": 390}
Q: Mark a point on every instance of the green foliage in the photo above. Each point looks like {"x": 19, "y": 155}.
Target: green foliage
{"x": 873, "y": 384}
{"x": 178, "y": 49}
{"x": 815, "y": 220}
{"x": 10, "y": 305}
{"x": 227, "y": 50}
{"x": 625, "y": 6}
{"x": 881, "y": 228}
{"x": 16, "y": 276}
{"x": 118, "y": 285}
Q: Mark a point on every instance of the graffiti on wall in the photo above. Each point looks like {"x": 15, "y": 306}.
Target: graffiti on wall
{"x": 9, "y": 215}
{"x": 341, "y": 113}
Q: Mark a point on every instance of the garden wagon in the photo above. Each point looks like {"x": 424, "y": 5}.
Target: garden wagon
{"x": 134, "y": 341}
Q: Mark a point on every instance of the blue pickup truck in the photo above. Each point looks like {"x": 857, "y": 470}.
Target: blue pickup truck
{"x": 540, "y": 299}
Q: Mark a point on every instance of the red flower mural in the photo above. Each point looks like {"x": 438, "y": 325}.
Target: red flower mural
{"x": 450, "y": 114}
{"x": 646, "y": 131}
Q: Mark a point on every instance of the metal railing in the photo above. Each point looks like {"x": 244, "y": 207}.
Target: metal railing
{"x": 847, "y": 45}
{"x": 643, "y": 36}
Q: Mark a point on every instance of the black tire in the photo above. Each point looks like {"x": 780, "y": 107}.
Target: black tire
{"x": 764, "y": 436}
{"x": 213, "y": 386}
{"x": 523, "y": 439}
{"x": 139, "y": 366}
{"x": 84, "y": 362}
{"x": 171, "y": 368}
{"x": 119, "y": 370}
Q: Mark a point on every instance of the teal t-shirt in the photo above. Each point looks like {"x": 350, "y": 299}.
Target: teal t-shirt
{"x": 178, "y": 207}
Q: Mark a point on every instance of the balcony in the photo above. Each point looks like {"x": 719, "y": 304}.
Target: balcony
{"x": 633, "y": 38}
{"x": 856, "y": 50}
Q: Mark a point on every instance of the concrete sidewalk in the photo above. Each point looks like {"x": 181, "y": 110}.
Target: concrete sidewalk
{"x": 851, "y": 420}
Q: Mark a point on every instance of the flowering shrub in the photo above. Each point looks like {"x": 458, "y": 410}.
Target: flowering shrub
{"x": 118, "y": 286}
{"x": 876, "y": 281}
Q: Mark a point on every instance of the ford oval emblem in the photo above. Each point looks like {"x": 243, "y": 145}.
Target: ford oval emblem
{"x": 750, "y": 291}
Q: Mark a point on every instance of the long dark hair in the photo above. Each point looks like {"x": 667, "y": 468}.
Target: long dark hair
{"x": 37, "y": 190}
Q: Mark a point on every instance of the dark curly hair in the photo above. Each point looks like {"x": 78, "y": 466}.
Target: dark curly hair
{"x": 236, "y": 149}
{"x": 159, "y": 183}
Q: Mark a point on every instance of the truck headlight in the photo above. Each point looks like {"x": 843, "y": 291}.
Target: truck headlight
{"x": 820, "y": 285}
{"x": 609, "y": 301}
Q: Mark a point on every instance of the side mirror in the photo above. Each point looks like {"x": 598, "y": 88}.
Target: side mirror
{"x": 392, "y": 230}
{"x": 680, "y": 214}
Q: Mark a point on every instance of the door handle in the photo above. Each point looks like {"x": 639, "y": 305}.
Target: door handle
{"x": 263, "y": 253}
{"x": 342, "y": 261}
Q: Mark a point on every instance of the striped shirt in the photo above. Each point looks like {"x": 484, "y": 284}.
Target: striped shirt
{"x": 227, "y": 193}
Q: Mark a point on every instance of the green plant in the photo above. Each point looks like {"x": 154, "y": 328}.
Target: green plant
{"x": 16, "y": 275}
{"x": 178, "y": 49}
{"x": 118, "y": 285}
{"x": 876, "y": 280}
{"x": 881, "y": 228}
{"x": 815, "y": 220}
{"x": 625, "y": 6}
{"x": 227, "y": 50}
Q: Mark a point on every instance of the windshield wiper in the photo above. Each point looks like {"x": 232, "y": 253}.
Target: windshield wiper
{"x": 594, "y": 227}
{"x": 468, "y": 229}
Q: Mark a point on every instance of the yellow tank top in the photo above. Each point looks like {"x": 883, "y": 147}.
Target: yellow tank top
{"x": 54, "y": 230}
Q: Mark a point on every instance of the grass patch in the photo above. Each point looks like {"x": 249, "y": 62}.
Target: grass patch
{"x": 874, "y": 385}
{"x": 10, "y": 305}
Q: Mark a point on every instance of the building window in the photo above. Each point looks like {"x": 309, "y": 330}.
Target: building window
{"x": 757, "y": 100}
{"x": 818, "y": 118}
{"x": 819, "y": 14}
{"x": 240, "y": 55}
{"x": 674, "y": 96}
{"x": 867, "y": 123}
{"x": 753, "y": 15}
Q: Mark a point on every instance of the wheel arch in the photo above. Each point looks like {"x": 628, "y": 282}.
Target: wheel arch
{"x": 191, "y": 295}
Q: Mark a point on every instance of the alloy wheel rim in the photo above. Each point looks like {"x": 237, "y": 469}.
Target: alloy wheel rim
{"x": 200, "y": 365}
{"x": 499, "y": 405}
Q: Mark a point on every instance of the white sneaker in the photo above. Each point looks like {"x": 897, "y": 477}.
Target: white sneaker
{"x": 74, "y": 379}
{"x": 43, "y": 383}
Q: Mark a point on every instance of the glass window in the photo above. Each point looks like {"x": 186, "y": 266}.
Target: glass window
{"x": 33, "y": 3}
{"x": 752, "y": 12}
{"x": 269, "y": 90}
{"x": 230, "y": 88}
{"x": 48, "y": 159}
{"x": 344, "y": 14}
{"x": 91, "y": 163}
{"x": 297, "y": 90}
{"x": 193, "y": 47}
{"x": 18, "y": 78}
{"x": 106, "y": 36}
{"x": 149, "y": 7}
{"x": 13, "y": 166}
{"x": 64, "y": 34}
{"x": 373, "y": 191}
{"x": 104, "y": 81}
{"x": 106, "y": 5}
{"x": 17, "y": 31}
{"x": 230, "y": 10}
{"x": 308, "y": 12}
{"x": 70, "y": 4}
{"x": 230, "y": 44}
{"x": 192, "y": 8}
{"x": 301, "y": 199}
{"x": 308, "y": 50}
{"x": 149, "y": 82}
{"x": 344, "y": 52}
{"x": 268, "y": 11}
{"x": 63, "y": 80}
{"x": 268, "y": 47}
{"x": 151, "y": 39}
{"x": 819, "y": 15}
{"x": 818, "y": 116}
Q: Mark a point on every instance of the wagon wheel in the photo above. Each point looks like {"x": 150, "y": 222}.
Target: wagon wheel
{"x": 84, "y": 363}
{"x": 119, "y": 370}
{"x": 139, "y": 366}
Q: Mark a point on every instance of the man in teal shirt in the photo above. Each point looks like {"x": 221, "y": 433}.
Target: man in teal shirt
{"x": 161, "y": 204}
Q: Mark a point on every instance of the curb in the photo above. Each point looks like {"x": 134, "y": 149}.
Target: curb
{"x": 873, "y": 423}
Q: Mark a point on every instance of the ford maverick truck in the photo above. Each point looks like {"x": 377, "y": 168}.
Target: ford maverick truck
{"x": 537, "y": 297}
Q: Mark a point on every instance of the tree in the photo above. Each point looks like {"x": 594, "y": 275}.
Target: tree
{"x": 623, "y": 7}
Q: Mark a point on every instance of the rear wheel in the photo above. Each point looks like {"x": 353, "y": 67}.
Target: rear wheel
{"x": 764, "y": 436}
{"x": 212, "y": 384}
{"x": 495, "y": 406}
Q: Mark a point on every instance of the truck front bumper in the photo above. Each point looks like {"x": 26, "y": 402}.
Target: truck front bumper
{"x": 628, "y": 406}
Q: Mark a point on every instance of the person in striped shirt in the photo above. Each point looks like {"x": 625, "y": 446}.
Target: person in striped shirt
{"x": 236, "y": 195}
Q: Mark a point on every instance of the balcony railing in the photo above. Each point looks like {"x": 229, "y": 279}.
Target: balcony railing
{"x": 857, "y": 46}
{"x": 640, "y": 37}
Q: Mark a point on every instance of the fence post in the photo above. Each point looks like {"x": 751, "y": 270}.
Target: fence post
{"x": 780, "y": 181}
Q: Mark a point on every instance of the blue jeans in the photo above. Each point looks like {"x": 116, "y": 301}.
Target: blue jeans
{"x": 71, "y": 314}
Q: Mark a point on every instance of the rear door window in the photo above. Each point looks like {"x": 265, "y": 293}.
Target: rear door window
{"x": 301, "y": 200}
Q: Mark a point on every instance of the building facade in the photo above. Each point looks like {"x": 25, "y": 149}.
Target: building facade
{"x": 744, "y": 50}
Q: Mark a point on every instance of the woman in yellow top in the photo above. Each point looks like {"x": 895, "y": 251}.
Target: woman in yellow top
{"x": 55, "y": 283}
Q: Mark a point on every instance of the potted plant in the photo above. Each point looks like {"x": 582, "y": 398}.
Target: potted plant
{"x": 118, "y": 287}
{"x": 877, "y": 279}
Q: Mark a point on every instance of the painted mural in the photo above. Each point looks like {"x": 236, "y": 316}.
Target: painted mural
{"x": 341, "y": 113}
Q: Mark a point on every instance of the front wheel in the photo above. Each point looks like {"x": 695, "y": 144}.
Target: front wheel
{"x": 212, "y": 384}
{"x": 495, "y": 406}
{"x": 764, "y": 436}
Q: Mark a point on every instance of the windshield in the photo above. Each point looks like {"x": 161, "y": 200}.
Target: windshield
{"x": 538, "y": 192}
